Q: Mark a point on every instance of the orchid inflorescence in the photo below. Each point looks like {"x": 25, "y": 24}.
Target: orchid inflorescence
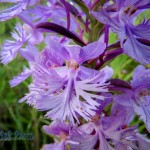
{"x": 70, "y": 77}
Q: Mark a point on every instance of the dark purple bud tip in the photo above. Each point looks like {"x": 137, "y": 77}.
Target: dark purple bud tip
{"x": 117, "y": 83}
{"x": 60, "y": 30}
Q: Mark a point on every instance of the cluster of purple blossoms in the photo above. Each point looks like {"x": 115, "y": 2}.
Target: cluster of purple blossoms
{"x": 71, "y": 79}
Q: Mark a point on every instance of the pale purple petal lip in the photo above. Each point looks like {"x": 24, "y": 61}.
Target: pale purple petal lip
{"x": 66, "y": 104}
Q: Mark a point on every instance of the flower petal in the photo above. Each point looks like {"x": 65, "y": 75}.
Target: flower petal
{"x": 11, "y": 47}
{"x": 30, "y": 53}
{"x": 143, "y": 142}
{"x": 85, "y": 141}
{"x": 142, "y": 109}
{"x": 137, "y": 50}
{"x": 138, "y": 71}
{"x": 142, "y": 30}
{"x": 107, "y": 19}
{"x": 55, "y": 146}
{"x": 56, "y": 128}
{"x": 21, "y": 77}
{"x": 58, "y": 49}
{"x": 74, "y": 51}
{"x": 91, "y": 51}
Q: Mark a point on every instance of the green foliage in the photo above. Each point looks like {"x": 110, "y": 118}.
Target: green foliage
{"x": 15, "y": 116}
{"x": 123, "y": 67}
{"x": 6, "y": 28}
{"x": 145, "y": 14}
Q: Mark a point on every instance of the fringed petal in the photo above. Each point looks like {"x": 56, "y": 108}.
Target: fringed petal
{"x": 11, "y": 47}
{"x": 21, "y": 77}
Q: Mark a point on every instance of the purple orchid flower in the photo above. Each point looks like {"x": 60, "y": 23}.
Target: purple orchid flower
{"x": 107, "y": 133}
{"x": 59, "y": 89}
{"x": 61, "y": 131}
{"x": 138, "y": 98}
{"x": 120, "y": 17}
{"x": 45, "y": 58}
{"x": 76, "y": 97}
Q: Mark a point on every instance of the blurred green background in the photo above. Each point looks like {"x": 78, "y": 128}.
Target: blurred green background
{"x": 15, "y": 116}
